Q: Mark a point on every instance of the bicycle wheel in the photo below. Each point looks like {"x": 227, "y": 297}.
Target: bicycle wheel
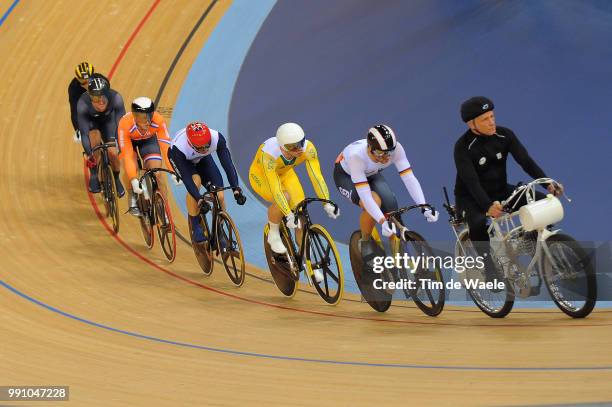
{"x": 146, "y": 220}
{"x": 429, "y": 293}
{"x": 281, "y": 266}
{"x": 321, "y": 254}
{"x": 494, "y": 304}
{"x": 165, "y": 226}
{"x": 569, "y": 276}
{"x": 109, "y": 192}
{"x": 203, "y": 251}
{"x": 379, "y": 300}
{"x": 230, "y": 247}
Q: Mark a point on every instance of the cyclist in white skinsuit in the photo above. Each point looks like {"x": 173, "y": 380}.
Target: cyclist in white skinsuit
{"x": 358, "y": 177}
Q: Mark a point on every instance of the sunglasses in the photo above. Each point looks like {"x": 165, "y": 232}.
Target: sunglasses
{"x": 295, "y": 146}
{"x": 381, "y": 154}
{"x": 200, "y": 149}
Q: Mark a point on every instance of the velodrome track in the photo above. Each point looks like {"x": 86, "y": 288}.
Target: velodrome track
{"x": 101, "y": 314}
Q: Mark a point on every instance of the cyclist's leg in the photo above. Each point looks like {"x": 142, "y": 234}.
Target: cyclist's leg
{"x": 209, "y": 172}
{"x": 94, "y": 137}
{"x": 477, "y": 222}
{"x": 193, "y": 211}
{"x": 151, "y": 156}
{"x": 347, "y": 189}
{"x": 108, "y": 130}
{"x": 292, "y": 187}
{"x": 260, "y": 186}
{"x": 384, "y": 198}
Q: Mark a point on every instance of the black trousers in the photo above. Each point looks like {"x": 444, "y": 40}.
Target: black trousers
{"x": 477, "y": 219}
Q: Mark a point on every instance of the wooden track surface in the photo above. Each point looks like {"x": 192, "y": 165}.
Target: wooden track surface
{"x": 54, "y": 248}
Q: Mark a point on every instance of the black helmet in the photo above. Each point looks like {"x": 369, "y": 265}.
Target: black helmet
{"x": 474, "y": 107}
{"x": 98, "y": 85}
{"x": 381, "y": 138}
{"x": 143, "y": 105}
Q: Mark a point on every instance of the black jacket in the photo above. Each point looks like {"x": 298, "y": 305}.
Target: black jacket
{"x": 481, "y": 165}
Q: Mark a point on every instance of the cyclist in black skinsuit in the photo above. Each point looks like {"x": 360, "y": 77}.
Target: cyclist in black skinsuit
{"x": 480, "y": 157}
{"x": 98, "y": 114}
{"x": 78, "y": 86}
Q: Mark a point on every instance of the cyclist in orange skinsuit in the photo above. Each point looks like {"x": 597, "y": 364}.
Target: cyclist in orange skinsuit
{"x": 145, "y": 129}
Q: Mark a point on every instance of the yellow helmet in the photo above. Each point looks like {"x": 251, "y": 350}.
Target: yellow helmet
{"x": 84, "y": 70}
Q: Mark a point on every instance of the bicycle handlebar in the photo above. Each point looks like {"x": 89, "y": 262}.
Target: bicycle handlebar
{"x": 302, "y": 205}
{"x": 104, "y": 146}
{"x": 152, "y": 171}
{"x": 409, "y": 208}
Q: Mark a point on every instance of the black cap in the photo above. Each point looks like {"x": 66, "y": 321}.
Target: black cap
{"x": 475, "y": 106}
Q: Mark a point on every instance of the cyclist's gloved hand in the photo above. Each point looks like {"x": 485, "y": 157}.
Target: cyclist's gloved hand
{"x": 291, "y": 221}
{"x": 176, "y": 179}
{"x": 555, "y": 188}
{"x": 331, "y": 210}
{"x": 239, "y": 196}
{"x": 135, "y": 186}
{"x": 431, "y": 216}
{"x": 388, "y": 228}
{"x": 91, "y": 161}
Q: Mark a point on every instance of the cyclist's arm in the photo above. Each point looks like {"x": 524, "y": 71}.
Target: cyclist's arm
{"x": 127, "y": 150}
{"x": 467, "y": 173}
{"x": 357, "y": 167}
{"x": 118, "y": 108}
{"x": 314, "y": 172}
{"x": 408, "y": 178}
{"x": 523, "y": 158}
{"x": 163, "y": 139}
{"x": 84, "y": 124}
{"x": 181, "y": 166}
{"x": 226, "y": 161}
{"x": 268, "y": 164}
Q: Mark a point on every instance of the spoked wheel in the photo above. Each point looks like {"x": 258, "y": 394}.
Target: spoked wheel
{"x": 429, "y": 293}
{"x": 165, "y": 226}
{"x": 380, "y": 300}
{"x": 109, "y": 194}
{"x": 146, "y": 219}
{"x": 230, "y": 247}
{"x": 494, "y": 304}
{"x": 322, "y": 255}
{"x": 569, "y": 276}
{"x": 282, "y": 265}
{"x": 203, "y": 251}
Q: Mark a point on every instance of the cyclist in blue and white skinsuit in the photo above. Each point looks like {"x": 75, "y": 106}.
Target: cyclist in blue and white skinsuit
{"x": 358, "y": 177}
{"x": 190, "y": 155}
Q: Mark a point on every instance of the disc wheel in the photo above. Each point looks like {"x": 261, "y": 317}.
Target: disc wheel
{"x": 165, "y": 226}
{"x": 230, "y": 248}
{"x": 203, "y": 251}
{"x": 321, "y": 254}
{"x": 379, "y": 300}
{"x": 280, "y": 266}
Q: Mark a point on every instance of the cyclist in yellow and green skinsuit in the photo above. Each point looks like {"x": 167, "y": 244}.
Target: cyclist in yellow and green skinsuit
{"x": 273, "y": 177}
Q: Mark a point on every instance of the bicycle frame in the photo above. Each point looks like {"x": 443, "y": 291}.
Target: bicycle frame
{"x": 302, "y": 211}
{"x": 211, "y": 195}
{"x": 504, "y": 228}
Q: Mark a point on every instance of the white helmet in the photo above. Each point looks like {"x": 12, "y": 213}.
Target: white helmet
{"x": 290, "y": 136}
